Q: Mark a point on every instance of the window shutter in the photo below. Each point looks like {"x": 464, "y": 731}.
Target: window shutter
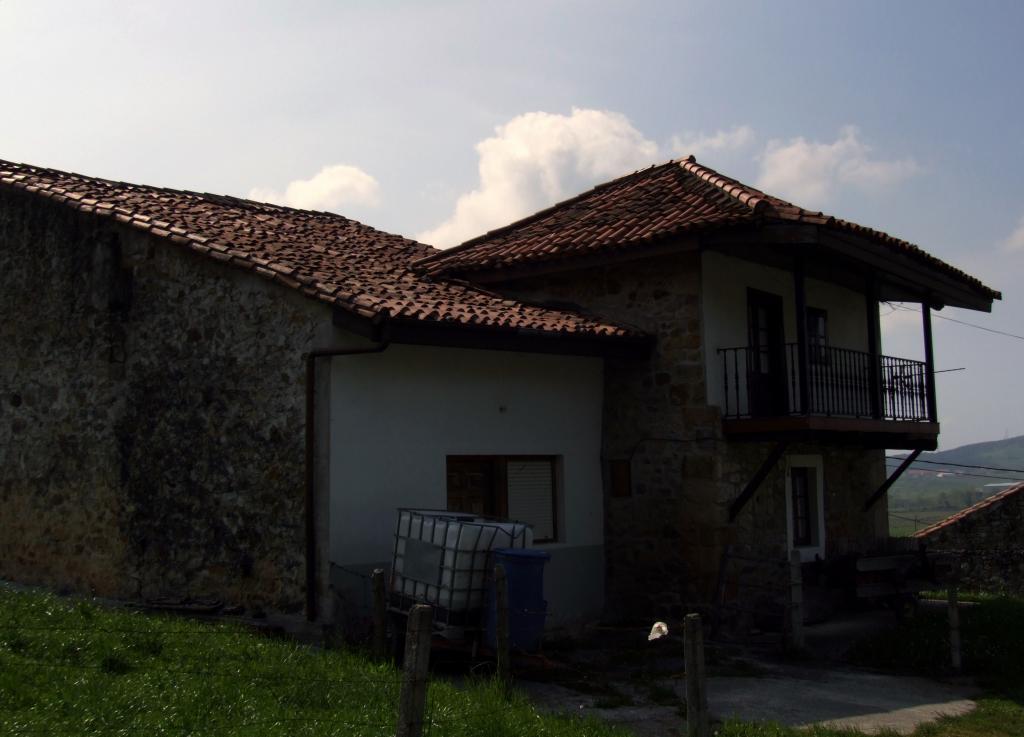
{"x": 531, "y": 496}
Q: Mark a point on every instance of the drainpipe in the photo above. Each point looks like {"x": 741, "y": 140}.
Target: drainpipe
{"x": 312, "y": 605}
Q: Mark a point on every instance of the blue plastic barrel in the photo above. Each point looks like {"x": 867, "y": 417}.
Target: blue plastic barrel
{"x": 524, "y": 570}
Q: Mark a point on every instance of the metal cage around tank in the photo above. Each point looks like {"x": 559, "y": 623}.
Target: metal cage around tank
{"x": 443, "y": 559}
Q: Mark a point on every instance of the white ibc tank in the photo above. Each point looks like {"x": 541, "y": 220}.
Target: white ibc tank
{"x": 441, "y": 557}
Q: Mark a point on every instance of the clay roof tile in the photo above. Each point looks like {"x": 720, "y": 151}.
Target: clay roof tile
{"x": 323, "y": 255}
{"x": 659, "y": 202}
{"x": 971, "y": 510}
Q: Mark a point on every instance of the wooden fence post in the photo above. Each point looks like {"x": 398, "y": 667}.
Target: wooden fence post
{"x": 954, "y": 627}
{"x": 502, "y": 623}
{"x": 697, "y": 722}
{"x": 380, "y": 613}
{"x": 723, "y": 572}
{"x": 413, "y": 699}
{"x": 796, "y": 601}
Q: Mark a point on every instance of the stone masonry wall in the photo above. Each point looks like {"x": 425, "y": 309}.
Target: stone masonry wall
{"x": 151, "y": 416}
{"x": 850, "y": 475}
{"x": 656, "y": 419}
{"x": 989, "y": 541}
{"x": 665, "y": 541}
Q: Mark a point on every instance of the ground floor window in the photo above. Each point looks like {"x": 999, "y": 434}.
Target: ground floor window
{"x": 522, "y": 488}
{"x": 802, "y": 506}
{"x": 805, "y": 505}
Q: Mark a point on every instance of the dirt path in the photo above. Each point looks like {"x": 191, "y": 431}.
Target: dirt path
{"x": 870, "y": 702}
{"x": 790, "y": 695}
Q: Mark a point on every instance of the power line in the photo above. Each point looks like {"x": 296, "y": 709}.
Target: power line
{"x": 958, "y": 322}
{"x": 962, "y": 474}
{"x": 961, "y": 465}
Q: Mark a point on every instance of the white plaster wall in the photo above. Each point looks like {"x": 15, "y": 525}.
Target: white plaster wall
{"x": 397, "y": 415}
{"x": 724, "y": 283}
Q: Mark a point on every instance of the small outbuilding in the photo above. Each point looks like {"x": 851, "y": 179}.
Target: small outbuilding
{"x": 988, "y": 539}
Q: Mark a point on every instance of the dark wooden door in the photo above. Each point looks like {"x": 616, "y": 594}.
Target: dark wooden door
{"x": 766, "y": 369}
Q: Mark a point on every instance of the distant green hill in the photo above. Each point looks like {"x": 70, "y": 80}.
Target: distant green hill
{"x": 1007, "y": 453}
{"x": 931, "y": 491}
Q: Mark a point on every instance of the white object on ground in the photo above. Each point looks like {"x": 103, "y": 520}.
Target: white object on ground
{"x": 659, "y": 630}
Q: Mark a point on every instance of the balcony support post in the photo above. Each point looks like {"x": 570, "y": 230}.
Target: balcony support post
{"x": 800, "y": 293}
{"x": 891, "y": 480}
{"x": 875, "y": 375}
{"x": 929, "y": 362}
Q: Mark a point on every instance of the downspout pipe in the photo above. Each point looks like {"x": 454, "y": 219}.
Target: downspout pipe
{"x": 312, "y": 603}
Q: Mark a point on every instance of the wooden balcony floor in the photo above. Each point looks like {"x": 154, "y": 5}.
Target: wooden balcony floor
{"x": 868, "y": 433}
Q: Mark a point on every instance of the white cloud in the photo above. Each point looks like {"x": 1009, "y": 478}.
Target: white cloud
{"x": 809, "y": 172}
{"x": 538, "y": 158}
{"x": 332, "y": 188}
{"x": 1016, "y": 240}
{"x": 734, "y": 139}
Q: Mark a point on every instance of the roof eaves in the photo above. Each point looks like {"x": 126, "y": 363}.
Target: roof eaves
{"x": 770, "y": 206}
{"x": 609, "y": 344}
{"x": 913, "y": 251}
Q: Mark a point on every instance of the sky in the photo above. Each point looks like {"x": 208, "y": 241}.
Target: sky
{"x": 440, "y": 120}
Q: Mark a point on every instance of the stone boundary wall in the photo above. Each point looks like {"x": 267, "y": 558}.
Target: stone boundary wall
{"x": 151, "y": 416}
{"x": 989, "y": 540}
{"x": 995, "y": 571}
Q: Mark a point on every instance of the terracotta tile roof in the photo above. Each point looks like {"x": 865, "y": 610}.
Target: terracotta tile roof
{"x": 323, "y": 255}
{"x": 967, "y": 512}
{"x": 659, "y": 202}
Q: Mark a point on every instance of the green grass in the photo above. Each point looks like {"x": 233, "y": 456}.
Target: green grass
{"x": 994, "y": 717}
{"x": 72, "y": 667}
{"x": 962, "y": 596}
{"x": 734, "y": 728}
{"x": 905, "y": 524}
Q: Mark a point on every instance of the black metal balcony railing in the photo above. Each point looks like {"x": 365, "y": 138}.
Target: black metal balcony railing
{"x": 839, "y": 384}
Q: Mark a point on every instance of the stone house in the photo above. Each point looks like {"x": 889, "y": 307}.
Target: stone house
{"x": 988, "y": 539}
{"x": 210, "y": 397}
{"x": 760, "y": 419}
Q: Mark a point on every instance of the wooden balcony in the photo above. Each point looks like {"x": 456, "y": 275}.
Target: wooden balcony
{"x": 826, "y": 393}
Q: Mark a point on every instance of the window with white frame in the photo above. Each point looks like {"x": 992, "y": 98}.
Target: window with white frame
{"x": 805, "y": 506}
